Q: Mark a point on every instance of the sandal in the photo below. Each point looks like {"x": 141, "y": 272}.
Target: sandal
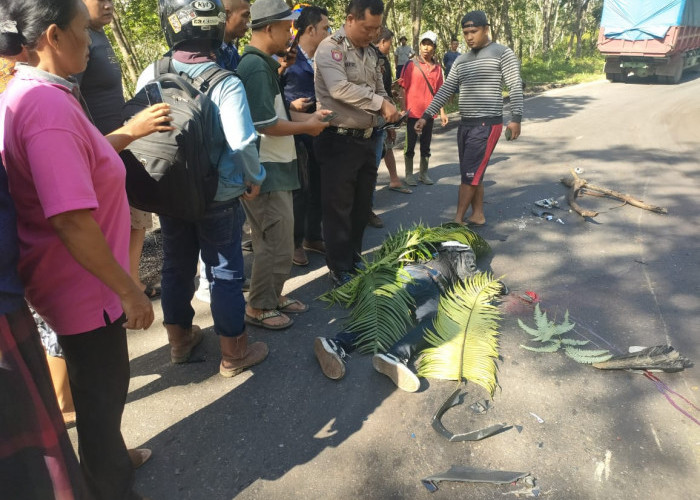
{"x": 152, "y": 292}
{"x": 286, "y": 308}
{"x": 401, "y": 189}
{"x": 259, "y": 320}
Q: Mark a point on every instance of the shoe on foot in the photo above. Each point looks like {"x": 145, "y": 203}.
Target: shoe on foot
{"x": 397, "y": 371}
{"x": 339, "y": 278}
{"x": 331, "y": 357}
{"x": 237, "y": 354}
{"x": 300, "y": 258}
{"x": 203, "y": 294}
{"x": 182, "y": 341}
{"x": 139, "y": 456}
{"x": 375, "y": 221}
{"x": 317, "y": 246}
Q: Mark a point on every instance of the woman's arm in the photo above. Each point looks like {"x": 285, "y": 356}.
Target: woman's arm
{"x": 84, "y": 240}
{"x": 152, "y": 119}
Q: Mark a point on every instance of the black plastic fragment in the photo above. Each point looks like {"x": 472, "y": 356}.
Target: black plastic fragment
{"x": 453, "y": 400}
{"x": 472, "y": 475}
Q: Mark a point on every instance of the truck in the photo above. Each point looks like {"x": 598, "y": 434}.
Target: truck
{"x": 650, "y": 37}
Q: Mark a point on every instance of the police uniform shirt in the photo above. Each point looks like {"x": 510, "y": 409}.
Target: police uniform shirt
{"x": 348, "y": 81}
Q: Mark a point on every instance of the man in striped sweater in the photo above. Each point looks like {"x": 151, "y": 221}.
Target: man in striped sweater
{"x": 477, "y": 75}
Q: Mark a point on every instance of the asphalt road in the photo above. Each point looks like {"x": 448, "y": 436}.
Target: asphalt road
{"x": 627, "y": 277}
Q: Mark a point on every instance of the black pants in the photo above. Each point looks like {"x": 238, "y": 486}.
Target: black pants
{"x": 426, "y": 138}
{"x": 348, "y": 174}
{"x": 307, "y": 199}
{"x": 98, "y": 369}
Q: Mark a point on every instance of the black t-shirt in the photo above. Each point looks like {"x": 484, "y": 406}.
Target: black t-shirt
{"x": 101, "y": 84}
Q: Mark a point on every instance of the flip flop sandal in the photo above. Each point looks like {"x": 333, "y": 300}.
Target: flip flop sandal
{"x": 259, "y": 320}
{"x": 152, "y": 292}
{"x": 284, "y": 307}
{"x": 401, "y": 189}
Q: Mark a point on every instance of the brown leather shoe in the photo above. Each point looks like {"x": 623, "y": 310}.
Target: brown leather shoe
{"x": 299, "y": 258}
{"x": 317, "y": 246}
{"x": 139, "y": 456}
{"x": 182, "y": 341}
{"x": 237, "y": 354}
{"x": 375, "y": 221}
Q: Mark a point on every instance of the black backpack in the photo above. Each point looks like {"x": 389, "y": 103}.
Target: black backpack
{"x": 170, "y": 173}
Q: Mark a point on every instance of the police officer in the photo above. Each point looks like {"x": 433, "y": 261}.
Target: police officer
{"x": 348, "y": 82}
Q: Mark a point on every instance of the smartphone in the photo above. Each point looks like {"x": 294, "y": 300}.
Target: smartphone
{"x": 399, "y": 123}
{"x": 508, "y": 134}
{"x": 329, "y": 117}
{"x": 154, "y": 93}
{"x": 292, "y": 46}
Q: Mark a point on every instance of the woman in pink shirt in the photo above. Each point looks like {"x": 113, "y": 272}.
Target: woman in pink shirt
{"x": 67, "y": 182}
{"x": 420, "y": 79}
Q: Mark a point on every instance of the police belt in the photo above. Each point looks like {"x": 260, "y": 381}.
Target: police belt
{"x": 361, "y": 133}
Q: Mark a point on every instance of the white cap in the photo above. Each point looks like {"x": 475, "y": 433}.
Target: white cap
{"x": 429, "y": 35}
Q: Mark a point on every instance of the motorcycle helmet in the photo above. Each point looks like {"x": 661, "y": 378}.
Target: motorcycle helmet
{"x": 185, "y": 20}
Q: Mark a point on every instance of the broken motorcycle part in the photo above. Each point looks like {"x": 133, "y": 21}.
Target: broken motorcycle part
{"x": 659, "y": 357}
{"x": 453, "y": 400}
{"x": 473, "y": 475}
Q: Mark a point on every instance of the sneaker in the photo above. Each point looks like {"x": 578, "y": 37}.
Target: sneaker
{"x": 203, "y": 294}
{"x": 331, "y": 357}
{"x": 397, "y": 371}
{"x": 375, "y": 221}
{"x": 339, "y": 278}
{"x": 317, "y": 246}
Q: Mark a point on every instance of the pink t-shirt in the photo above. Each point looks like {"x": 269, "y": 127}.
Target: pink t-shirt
{"x": 418, "y": 96}
{"x": 57, "y": 161}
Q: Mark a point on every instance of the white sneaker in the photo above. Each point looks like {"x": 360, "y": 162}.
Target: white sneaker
{"x": 397, "y": 371}
{"x": 203, "y": 294}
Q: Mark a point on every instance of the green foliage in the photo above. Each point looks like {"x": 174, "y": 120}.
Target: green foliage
{"x": 552, "y": 336}
{"x": 382, "y": 310}
{"x": 557, "y": 68}
{"x": 406, "y": 246}
{"x": 465, "y": 336}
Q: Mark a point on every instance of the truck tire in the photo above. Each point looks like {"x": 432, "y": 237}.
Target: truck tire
{"x": 616, "y": 77}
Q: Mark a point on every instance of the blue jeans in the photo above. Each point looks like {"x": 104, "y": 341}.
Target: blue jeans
{"x": 218, "y": 236}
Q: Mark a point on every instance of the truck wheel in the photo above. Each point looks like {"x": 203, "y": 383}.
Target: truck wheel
{"x": 615, "y": 77}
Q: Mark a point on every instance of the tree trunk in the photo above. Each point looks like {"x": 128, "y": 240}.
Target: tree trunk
{"x": 128, "y": 58}
{"x": 505, "y": 21}
{"x": 416, "y": 17}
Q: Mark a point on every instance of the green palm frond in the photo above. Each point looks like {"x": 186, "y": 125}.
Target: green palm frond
{"x": 403, "y": 247}
{"x": 465, "y": 336}
{"x": 382, "y": 311}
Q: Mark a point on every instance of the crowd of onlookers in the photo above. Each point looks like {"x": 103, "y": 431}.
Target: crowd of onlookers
{"x": 302, "y": 127}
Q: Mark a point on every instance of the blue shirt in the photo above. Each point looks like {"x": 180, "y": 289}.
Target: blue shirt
{"x": 299, "y": 79}
{"x": 227, "y": 56}
{"x": 11, "y": 290}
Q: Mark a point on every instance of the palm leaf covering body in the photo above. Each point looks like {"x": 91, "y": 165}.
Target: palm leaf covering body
{"x": 382, "y": 307}
{"x": 465, "y": 337}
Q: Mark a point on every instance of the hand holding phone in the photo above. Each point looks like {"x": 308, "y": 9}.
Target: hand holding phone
{"x": 154, "y": 93}
{"x": 329, "y": 117}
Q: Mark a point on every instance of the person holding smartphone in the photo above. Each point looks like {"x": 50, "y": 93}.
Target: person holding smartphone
{"x": 312, "y": 27}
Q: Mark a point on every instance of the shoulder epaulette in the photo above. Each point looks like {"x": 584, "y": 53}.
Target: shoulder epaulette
{"x": 338, "y": 38}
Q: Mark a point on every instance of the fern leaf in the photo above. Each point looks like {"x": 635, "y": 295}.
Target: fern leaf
{"x": 531, "y": 331}
{"x": 465, "y": 337}
{"x": 588, "y": 356}
{"x": 551, "y": 347}
{"x": 574, "y": 342}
